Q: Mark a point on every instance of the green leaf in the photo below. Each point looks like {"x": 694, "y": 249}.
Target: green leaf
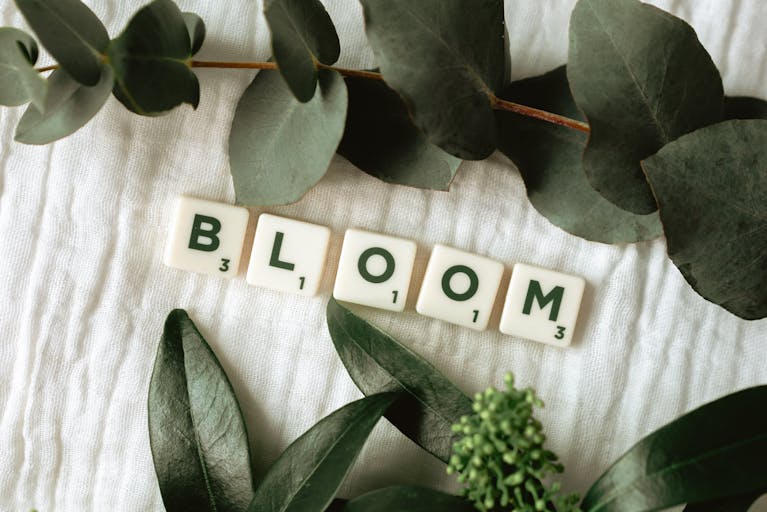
{"x": 196, "y": 431}
{"x": 715, "y": 451}
{"x": 72, "y": 33}
{"x": 549, "y": 160}
{"x": 740, "y": 503}
{"x": 744, "y": 107}
{"x": 446, "y": 59}
{"x": 196, "y": 28}
{"x": 408, "y": 499}
{"x": 309, "y": 472}
{"x": 711, "y": 186}
{"x": 643, "y": 79}
{"x": 302, "y": 35}
{"x": 279, "y": 148}
{"x": 380, "y": 139}
{"x": 376, "y": 362}
{"x": 151, "y": 61}
{"x": 69, "y": 105}
{"x": 19, "y": 82}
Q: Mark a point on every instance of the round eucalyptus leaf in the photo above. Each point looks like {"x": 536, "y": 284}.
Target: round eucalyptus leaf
{"x": 744, "y": 107}
{"x": 196, "y": 28}
{"x": 19, "y": 82}
{"x": 643, "y": 79}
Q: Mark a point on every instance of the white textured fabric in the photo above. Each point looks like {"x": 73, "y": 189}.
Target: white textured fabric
{"x": 83, "y": 291}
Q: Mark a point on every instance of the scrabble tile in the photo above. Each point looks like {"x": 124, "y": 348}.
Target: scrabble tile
{"x": 288, "y": 255}
{"x": 459, "y": 287}
{"x": 206, "y": 237}
{"x": 374, "y": 270}
{"x": 542, "y": 305}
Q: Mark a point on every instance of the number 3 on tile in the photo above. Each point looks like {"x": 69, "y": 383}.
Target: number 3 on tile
{"x": 560, "y": 332}
{"x": 224, "y": 265}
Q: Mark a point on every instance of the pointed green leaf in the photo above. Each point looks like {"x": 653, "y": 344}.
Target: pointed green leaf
{"x": 380, "y": 139}
{"x": 406, "y": 498}
{"x": 150, "y": 60}
{"x": 19, "y": 82}
{"x": 196, "y": 431}
{"x": 69, "y": 105}
{"x": 309, "y": 472}
{"x": 549, "y": 160}
{"x": 376, "y": 362}
{"x": 711, "y": 186}
{"x": 72, "y": 33}
{"x": 302, "y": 35}
{"x": 740, "y": 503}
{"x": 279, "y": 148}
{"x": 446, "y": 59}
{"x": 196, "y": 28}
{"x": 643, "y": 79}
{"x": 715, "y": 451}
{"x": 744, "y": 107}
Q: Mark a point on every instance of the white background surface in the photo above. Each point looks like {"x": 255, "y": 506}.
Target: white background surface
{"x": 83, "y": 292}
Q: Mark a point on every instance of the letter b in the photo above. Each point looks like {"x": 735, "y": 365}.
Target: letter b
{"x": 204, "y": 227}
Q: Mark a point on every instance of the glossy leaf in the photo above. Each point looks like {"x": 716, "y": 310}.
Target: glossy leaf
{"x": 302, "y": 35}
{"x": 711, "y": 186}
{"x": 376, "y": 362}
{"x": 740, "y": 503}
{"x": 279, "y": 148}
{"x": 715, "y": 451}
{"x": 196, "y": 28}
{"x": 69, "y": 105}
{"x": 381, "y": 139}
{"x": 643, "y": 79}
{"x": 405, "y": 498}
{"x": 196, "y": 431}
{"x": 309, "y": 472}
{"x": 19, "y": 82}
{"x": 744, "y": 107}
{"x": 549, "y": 160}
{"x": 446, "y": 59}
{"x": 72, "y": 33}
{"x": 150, "y": 60}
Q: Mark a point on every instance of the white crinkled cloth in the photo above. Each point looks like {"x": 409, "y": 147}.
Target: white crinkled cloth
{"x": 84, "y": 293}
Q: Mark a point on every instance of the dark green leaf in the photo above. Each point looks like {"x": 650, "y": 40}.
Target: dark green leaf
{"x": 196, "y": 431}
{"x": 376, "y": 362}
{"x": 279, "y": 148}
{"x": 408, "y": 499}
{"x": 196, "y": 28}
{"x": 711, "y": 186}
{"x": 380, "y": 139}
{"x": 69, "y": 105}
{"x": 72, "y": 33}
{"x": 19, "y": 82}
{"x": 446, "y": 59}
{"x": 302, "y": 35}
{"x": 308, "y": 473}
{"x": 744, "y": 107}
{"x": 151, "y": 61}
{"x": 739, "y": 503}
{"x": 549, "y": 160}
{"x": 714, "y": 451}
{"x": 643, "y": 79}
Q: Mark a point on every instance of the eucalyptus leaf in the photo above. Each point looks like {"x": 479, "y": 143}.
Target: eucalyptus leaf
{"x": 279, "y": 148}
{"x": 376, "y": 362}
{"x": 380, "y": 139}
{"x": 196, "y": 431}
{"x": 302, "y": 35}
{"x": 711, "y": 186}
{"x": 19, "y": 82}
{"x": 643, "y": 79}
{"x": 72, "y": 33}
{"x": 744, "y": 107}
{"x": 446, "y": 59}
{"x": 196, "y": 28}
{"x": 408, "y": 499}
{"x": 150, "y": 60}
{"x": 549, "y": 160}
{"x": 309, "y": 472}
{"x": 69, "y": 105}
{"x": 740, "y": 503}
{"x": 715, "y": 451}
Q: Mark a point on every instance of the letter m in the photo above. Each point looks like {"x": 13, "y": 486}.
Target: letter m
{"x": 534, "y": 292}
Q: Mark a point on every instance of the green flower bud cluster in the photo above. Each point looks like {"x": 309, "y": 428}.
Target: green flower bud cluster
{"x": 500, "y": 458}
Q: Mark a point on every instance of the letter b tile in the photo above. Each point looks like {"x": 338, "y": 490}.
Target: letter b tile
{"x": 542, "y": 305}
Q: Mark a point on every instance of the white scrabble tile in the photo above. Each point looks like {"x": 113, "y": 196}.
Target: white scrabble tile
{"x": 459, "y": 287}
{"x": 374, "y": 270}
{"x": 206, "y": 237}
{"x": 542, "y": 305}
{"x": 288, "y": 255}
